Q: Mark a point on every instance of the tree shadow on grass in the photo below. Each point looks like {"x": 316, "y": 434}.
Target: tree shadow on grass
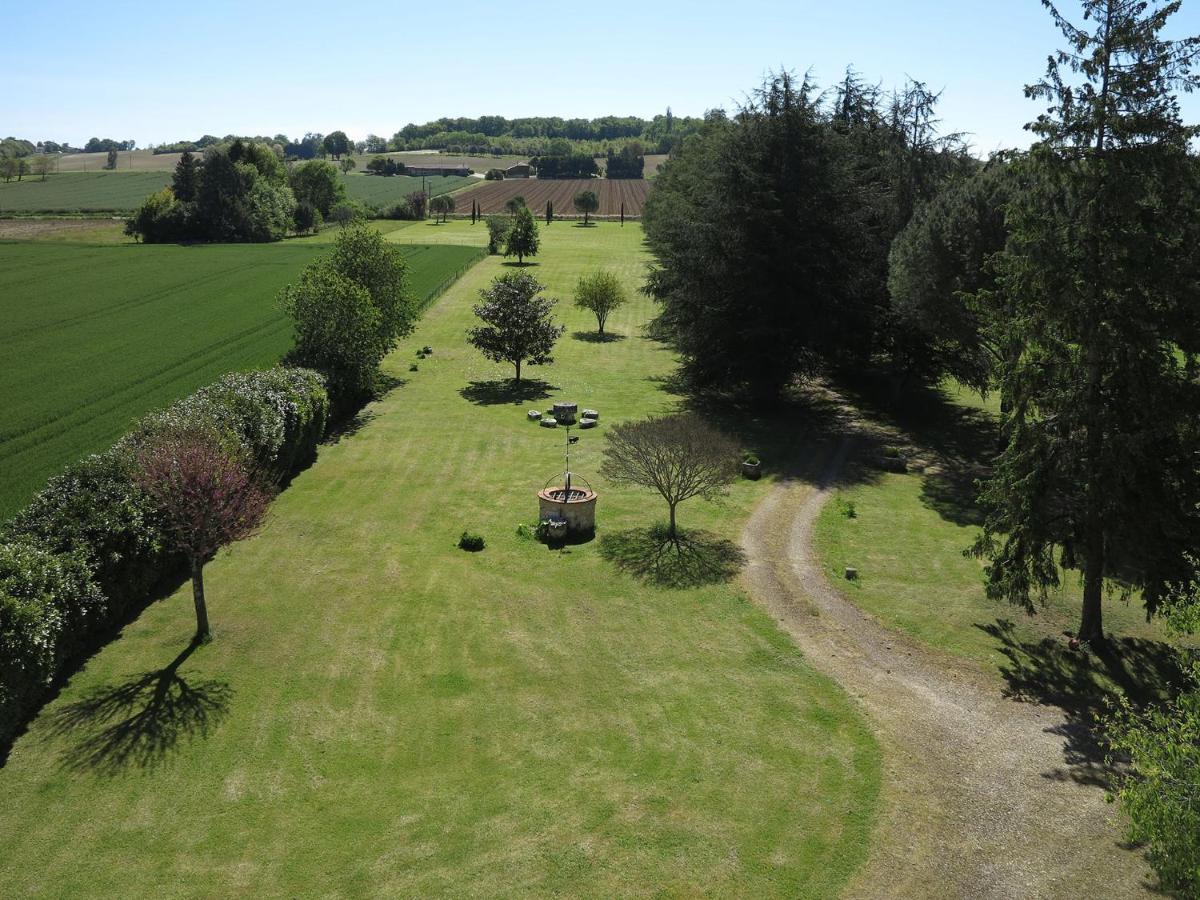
{"x": 595, "y": 337}
{"x": 519, "y": 265}
{"x": 140, "y": 721}
{"x": 495, "y": 393}
{"x": 692, "y": 559}
{"x": 1083, "y": 683}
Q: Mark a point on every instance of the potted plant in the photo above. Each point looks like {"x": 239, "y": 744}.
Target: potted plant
{"x": 751, "y": 466}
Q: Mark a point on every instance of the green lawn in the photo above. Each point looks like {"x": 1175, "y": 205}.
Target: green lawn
{"x": 907, "y": 538}
{"x": 382, "y": 714}
{"x": 97, "y": 335}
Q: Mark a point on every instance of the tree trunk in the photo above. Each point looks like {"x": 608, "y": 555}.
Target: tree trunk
{"x": 202, "y": 632}
{"x": 518, "y": 365}
{"x": 671, "y": 527}
{"x": 600, "y": 324}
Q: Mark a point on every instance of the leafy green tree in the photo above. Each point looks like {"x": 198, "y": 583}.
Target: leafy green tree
{"x": 587, "y": 203}
{"x": 318, "y": 183}
{"x": 338, "y": 332}
{"x": 307, "y": 218}
{"x": 347, "y": 165}
{"x": 8, "y": 167}
{"x": 361, "y": 254}
{"x": 514, "y": 205}
{"x": 186, "y": 180}
{"x": 336, "y": 144}
{"x": 110, "y": 161}
{"x": 523, "y": 237}
{"x": 498, "y": 228}
{"x": 1100, "y": 275}
{"x": 599, "y": 293}
{"x": 442, "y": 205}
{"x": 43, "y": 165}
{"x": 518, "y": 322}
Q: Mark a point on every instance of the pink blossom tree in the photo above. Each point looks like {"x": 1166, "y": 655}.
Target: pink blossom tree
{"x": 208, "y": 496}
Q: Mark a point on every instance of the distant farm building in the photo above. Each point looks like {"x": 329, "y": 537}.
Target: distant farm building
{"x": 520, "y": 170}
{"x": 431, "y": 171}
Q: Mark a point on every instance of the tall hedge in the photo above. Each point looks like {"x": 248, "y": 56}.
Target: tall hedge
{"x": 89, "y": 549}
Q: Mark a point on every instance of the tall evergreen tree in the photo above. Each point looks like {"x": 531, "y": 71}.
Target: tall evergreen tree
{"x": 187, "y": 178}
{"x": 1099, "y": 473}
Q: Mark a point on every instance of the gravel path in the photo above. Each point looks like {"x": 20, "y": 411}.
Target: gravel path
{"x": 977, "y": 800}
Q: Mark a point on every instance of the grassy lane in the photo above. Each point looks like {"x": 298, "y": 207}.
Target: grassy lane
{"x": 382, "y": 714}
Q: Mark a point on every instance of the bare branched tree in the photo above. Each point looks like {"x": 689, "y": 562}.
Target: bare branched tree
{"x": 679, "y": 456}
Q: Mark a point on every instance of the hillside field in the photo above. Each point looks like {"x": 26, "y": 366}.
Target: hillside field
{"x": 492, "y": 195}
{"x": 381, "y": 714}
{"x": 121, "y": 192}
{"x": 121, "y": 329}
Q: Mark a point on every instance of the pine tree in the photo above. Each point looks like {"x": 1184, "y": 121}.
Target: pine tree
{"x": 1099, "y": 472}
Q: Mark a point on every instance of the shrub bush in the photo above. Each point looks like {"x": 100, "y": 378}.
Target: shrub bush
{"x": 471, "y": 542}
{"x": 498, "y": 228}
{"x": 48, "y": 603}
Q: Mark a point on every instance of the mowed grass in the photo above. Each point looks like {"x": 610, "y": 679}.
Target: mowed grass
{"x": 908, "y": 544}
{"x": 95, "y": 336}
{"x": 382, "y": 714}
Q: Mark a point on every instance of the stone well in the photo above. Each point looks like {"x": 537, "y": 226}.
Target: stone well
{"x": 569, "y": 503}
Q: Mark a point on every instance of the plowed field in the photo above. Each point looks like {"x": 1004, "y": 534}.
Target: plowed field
{"x": 492, "y": 195}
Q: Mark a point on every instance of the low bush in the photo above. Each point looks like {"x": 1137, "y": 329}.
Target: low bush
{"x": 471, "y": 542}
{"x": 498, "y": 228}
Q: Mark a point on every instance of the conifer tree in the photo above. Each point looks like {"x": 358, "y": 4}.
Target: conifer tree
{"x": 1099, "y": 473}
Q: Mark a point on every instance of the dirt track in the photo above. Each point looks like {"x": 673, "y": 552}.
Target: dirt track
{"x": 977, "y": 800}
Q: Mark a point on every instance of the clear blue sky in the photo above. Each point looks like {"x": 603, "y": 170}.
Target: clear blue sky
{"x": 171, "y": 71}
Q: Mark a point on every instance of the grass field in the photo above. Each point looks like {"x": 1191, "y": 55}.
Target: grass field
{"x": 121, "y": 192}
{"x": 95, "y": 336}
{"x": 492, "y": 195}
{"x": 376, "y": 189}
{"x": 382, "y": 714}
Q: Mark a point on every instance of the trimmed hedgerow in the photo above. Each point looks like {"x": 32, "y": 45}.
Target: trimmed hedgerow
{"x": 91, "y": 546}
{"x": 48, "y": 602}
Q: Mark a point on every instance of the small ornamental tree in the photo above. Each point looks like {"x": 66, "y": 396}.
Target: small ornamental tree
{"x": 442, "y": 205}
{"x": 514, "y": 205}
{"x": 679, "y": 456}
{"x": 600, "y": 293}
{"x": 518, "y": 323}
{"x": 587, "y": 203}
{"x": 346, "y": 164}
{"x": 208, "y": 498}
{"x": 523, "y": 236}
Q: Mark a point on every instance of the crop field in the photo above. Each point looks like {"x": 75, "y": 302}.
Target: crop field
{"x": 135, "y": 161}
{"x": 492, "y": 195}
{"x": 118, "y": 192}
{"x": 383, "y": 190}
{"x": 119, "y": 330}
{"x": 81, "y": 192}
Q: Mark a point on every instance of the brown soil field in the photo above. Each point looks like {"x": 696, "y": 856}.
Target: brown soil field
{"x": 492, "y": 195}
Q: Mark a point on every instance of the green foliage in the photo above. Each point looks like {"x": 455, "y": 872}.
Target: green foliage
{"x": 362, "y": 255}
{"x": 1161, "y": 792}
{"x": 47, "y": 602}
{"x": 498, "y": 228}
{"x": 336, "y": 144}
{"x": 338, "y": 331}
{"x": 186, "y": 180}
{"x": 318, "y": 183}
{"x": 161, "y": 219}
{"x": 628, "y": 163}
{"x": 518, "y": 323}
{"x": 472, "y": 543}
{"x": 493, "y": 175}
{"x": 587, "y": 203}
{"x": 522, "y": 239}
{"x": 600, "y": 293}
{"x": 1100, "y": 282}
{"x": 442, "y": 205}
{"x": 938, "y": 267}
{"x": 572, "y": 165}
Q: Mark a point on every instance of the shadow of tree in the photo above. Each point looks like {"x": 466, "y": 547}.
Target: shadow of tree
{"x": 494, "y": 393}
{"x": 1083, "y": 683}
{"x": 692, "y": 559}
{"x": 595, "y": 337}
{"x": 141, "y": 720}
{"x": 519, "y": 265}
